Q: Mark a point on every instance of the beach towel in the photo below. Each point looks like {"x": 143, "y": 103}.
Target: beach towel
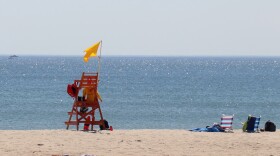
{"x": 214, "y": 128}
{"x": 199, "y": 130}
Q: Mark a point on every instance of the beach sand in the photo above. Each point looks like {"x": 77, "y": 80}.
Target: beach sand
{"x": 136, "y": 142}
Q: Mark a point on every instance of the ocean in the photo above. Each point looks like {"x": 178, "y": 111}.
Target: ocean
{"x": 141, "y": 92}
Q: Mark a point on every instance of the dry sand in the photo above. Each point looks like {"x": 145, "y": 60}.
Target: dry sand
{"x": 137, "y": 142}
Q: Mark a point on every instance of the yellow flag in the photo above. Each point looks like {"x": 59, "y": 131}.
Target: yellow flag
{"x": 91, "y": 51}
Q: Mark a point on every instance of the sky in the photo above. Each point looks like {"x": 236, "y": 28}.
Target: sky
{"x": 141, "y": 27}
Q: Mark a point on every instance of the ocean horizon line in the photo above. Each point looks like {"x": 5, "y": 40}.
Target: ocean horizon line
{"x": 160, "y": 56}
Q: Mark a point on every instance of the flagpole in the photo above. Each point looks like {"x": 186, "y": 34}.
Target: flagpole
{"x": 99, "y": 59}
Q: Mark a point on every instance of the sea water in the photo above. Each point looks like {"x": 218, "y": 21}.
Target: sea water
{"x": 142, "y": 92}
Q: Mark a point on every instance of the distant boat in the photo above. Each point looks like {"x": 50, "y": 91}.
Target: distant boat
{"x": 12, "y": 56}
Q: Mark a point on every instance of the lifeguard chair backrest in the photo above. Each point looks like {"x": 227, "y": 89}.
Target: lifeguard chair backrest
{"x": 89, "y": 80}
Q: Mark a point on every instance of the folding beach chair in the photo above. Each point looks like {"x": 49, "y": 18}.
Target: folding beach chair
{"x": 257, "y": 123}
{"x": 226, "y": 122}
{"x": 253, "y": 124}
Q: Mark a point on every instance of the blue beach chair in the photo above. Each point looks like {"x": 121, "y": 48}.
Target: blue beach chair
{"x": 257, "y": 123}
{"x": 252, "y": 124}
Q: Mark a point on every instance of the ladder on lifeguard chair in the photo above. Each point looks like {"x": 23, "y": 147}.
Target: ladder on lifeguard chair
{"x": 77, "y": 116}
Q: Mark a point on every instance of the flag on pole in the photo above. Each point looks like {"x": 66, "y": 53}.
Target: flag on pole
{"x": 91, "y": 51}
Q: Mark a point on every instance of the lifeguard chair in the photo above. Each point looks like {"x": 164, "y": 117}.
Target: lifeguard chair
{"x": 86, "y": 100}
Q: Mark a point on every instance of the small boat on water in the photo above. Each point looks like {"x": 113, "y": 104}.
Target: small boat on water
{"x": 12, "y": 56}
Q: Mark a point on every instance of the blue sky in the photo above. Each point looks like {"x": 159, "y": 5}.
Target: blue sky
{"x": 146, "y": 27}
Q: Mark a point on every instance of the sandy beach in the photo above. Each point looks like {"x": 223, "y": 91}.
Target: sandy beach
{"x": 136, "y": 142}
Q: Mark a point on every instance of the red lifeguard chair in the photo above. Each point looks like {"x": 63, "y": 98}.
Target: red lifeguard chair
{"x": 86, "y": 107}
{"x": 78, "y": 114}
